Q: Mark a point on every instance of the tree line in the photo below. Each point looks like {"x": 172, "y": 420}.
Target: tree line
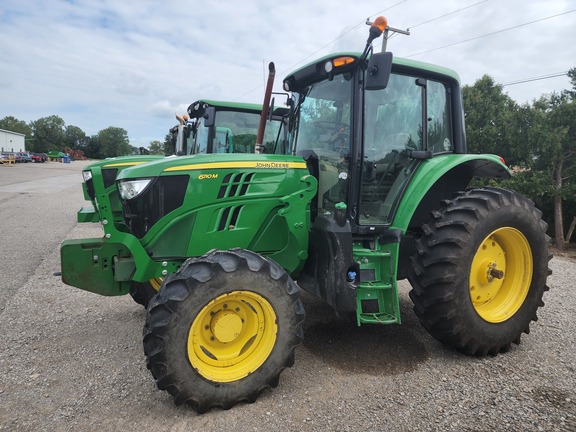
{"x": 52, "y": 134}
{"x": 537, "y": 140}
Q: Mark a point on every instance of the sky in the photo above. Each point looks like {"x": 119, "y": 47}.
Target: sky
{"x": 135, "y": 64}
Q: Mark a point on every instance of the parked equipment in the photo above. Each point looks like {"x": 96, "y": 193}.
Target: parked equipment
{"x": 208, "y": 127}
{"x": 374, "y": 190}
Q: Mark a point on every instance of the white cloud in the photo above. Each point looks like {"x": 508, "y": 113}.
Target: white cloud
{"x": 164, "y": 108}
{"x": 134, "y": 64}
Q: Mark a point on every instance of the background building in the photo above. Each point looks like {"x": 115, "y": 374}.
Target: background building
{"x": 11, "y": 141}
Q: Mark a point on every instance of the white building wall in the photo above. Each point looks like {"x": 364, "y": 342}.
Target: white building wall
{"x": 11, "y": 141}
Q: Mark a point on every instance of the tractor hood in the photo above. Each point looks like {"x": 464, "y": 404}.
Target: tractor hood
{"x": 204, "y": 163}
{"x": 183, "y": 206}
{"x": 123, "y": 161}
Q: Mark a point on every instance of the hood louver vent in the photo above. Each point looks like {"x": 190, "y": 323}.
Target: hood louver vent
{"x": 235, "y": 185}
{"x": 229, "y": 218}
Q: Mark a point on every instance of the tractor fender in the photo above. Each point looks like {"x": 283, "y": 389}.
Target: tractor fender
{"x": 438, "y": 178}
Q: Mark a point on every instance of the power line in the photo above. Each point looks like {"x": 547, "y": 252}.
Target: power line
{"x": 492, "y": 33}
{"x": 538, "y": 78}
{"x": 342, "y": 35}
{"x": 440, "y": 17}
{"x": 419, "y": 24}
{"x": 378, "y": 13}
{"x": 445, "y": 15}
{"x": 359, "y": 24}
{"x": 324, "y": 46}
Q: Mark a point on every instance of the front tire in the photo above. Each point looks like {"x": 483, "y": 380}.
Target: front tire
{"x": 142, "y": 292}
{"x": 480, "y": 269}
{"x": 222, "y": 329}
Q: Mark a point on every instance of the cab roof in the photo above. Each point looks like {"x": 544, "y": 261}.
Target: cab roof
{"x": 314, "y": 71}
{"x": 198, "y": 108}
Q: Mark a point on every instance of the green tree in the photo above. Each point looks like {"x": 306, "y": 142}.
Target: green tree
{"x": 156, "y": 148}
{"x": 12, "y": 124}
{"x": 168, "y": 145}
{"x": 75, "y": 138}
{"x": 495, "y": 123}
{"x": 555, "y": 165}
{"x": 92, "y": 150}
{"x": 538, "y": 141}
{"x": 49, "y": 134}
{"x": 111, "y": 142}
{"x": 536, "y": 178}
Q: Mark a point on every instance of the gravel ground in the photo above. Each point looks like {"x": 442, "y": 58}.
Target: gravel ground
{"x": 73, "y": 360}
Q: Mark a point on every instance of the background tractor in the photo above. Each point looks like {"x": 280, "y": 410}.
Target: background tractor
{"x": 209, "y": 127}
{"x": 375, "y": 189}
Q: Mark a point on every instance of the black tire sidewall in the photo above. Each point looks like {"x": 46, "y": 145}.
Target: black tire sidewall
{"x": 184, "y": 310}
{"x": 442, "y": 262}
{"x": 142, "y": 292}
{"x": 513, "y": 217}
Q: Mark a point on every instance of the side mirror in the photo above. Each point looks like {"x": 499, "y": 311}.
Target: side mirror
{"x": 210, "y": 116}
{"x": 190, "y": 127}
{"x": 378, "y": 72}
{"x": 179, "y": 142}
{"x": 271, "y": 110}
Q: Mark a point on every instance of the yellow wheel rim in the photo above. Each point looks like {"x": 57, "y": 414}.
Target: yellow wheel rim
{"x": 232, "y": 336}
{"x": 156, "y": 283}
{"x": 500, "y": 275}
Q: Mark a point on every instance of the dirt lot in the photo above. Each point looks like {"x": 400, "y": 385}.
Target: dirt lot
{"x": 73, "y": 361}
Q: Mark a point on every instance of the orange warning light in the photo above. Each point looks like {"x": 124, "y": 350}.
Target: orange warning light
{"x": 343, "y": 61}
{"x": 380, "y": 22}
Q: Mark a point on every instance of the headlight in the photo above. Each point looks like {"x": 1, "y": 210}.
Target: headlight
{"x": 87, "y": 175}
{"x": 130, "y": 189}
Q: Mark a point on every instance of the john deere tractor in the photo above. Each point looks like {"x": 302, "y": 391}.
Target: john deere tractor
{"x": 375, "y": 189}
{"x": 209, "y": 127}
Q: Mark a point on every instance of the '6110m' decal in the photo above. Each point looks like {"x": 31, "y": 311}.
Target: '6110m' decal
{"x": 207, "y": 176}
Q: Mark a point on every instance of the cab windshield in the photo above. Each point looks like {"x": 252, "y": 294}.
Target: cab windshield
{"x": 392, "y": 129}
{"x": 323, "y": 127}
{"x": 234, "y": 132}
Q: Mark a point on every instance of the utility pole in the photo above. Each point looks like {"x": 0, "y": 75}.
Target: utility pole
{"x": 386, "y": 32}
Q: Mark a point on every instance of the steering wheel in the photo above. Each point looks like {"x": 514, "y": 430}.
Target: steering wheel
{"x": 336, "y": 134}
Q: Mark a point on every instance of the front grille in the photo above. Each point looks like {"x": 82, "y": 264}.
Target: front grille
{"x": 109, "y": 176}
{"x": 161, "y": 197}
{"x": 90, "y": 189}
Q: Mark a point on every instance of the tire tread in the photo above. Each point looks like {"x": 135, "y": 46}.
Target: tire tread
{"x": 446, "y": 238}
{"x": 177, "y": 287}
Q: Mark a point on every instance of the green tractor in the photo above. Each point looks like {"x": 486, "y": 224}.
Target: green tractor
{"x": 209, "y": 127}
{"x": 375, "y": 189}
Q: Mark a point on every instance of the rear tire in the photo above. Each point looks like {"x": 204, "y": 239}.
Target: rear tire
{"x": 222, "y": 329}
{"x": 480, "y": 269}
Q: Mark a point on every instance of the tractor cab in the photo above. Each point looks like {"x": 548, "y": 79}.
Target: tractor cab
{"x": 225, "y": 127}
{"x": 385, "y": 139}
{"x": 364, "y": 144}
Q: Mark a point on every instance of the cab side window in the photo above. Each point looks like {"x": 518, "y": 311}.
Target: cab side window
{"x": 439, "y": 114}
{"x": 392, "y": 129}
